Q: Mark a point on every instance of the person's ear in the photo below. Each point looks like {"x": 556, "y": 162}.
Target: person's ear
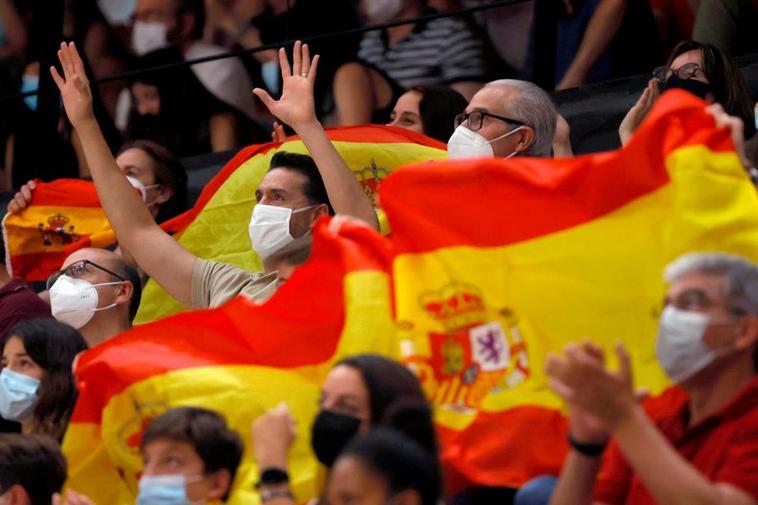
{"x": 525, "y": 138}
{"x": 187, "y": 23}
{"x": 321, "y": 210}
{"x": 407, "y": 497}
{"x": 165, "y": 194}
{"x": 749, "y": 333}
{"x": 124, "y": 292}
{"x": 17, "y": 495}
{"x": 220, "y": 482}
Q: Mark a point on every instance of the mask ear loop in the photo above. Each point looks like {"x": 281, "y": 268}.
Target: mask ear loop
{"x": 514, "y": 153}
{"x": 98, "y": 309}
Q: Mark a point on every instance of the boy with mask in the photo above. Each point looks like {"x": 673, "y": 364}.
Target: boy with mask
{"x": 698, "y": 441}
{"x": 289, "y": 208}
{"x": 189, "y": 455}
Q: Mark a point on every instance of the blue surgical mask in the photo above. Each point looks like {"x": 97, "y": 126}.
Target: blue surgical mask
{"x": 18, "y": 395}
{"x": 164, "y": 490}
{"x": 30, "y": 83}
{"x": 270, "y": 73}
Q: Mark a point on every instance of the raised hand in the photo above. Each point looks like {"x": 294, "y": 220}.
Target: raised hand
{"x": 638, "y": 112}
{"x": 74, "y": 87}
{"x": 296, "y": 106}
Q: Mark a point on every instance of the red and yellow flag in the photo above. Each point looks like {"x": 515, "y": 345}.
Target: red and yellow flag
{"x": 63, "y": 216}
{"x": 239, "y": 360}
{"x": 216, "y": 228}
{"x": 500, "y": 262}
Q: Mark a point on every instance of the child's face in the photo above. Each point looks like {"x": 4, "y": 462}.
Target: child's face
{"x": 169, "y": 457}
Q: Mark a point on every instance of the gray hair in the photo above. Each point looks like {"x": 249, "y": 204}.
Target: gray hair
{"x": 534, "y": 107}
{"x": 741, "y": 276}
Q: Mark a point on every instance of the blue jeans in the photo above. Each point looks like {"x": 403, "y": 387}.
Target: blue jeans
{"x": 536, "y": 491}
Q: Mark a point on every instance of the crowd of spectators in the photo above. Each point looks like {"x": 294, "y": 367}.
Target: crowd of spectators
{"x": 459, "y": 80}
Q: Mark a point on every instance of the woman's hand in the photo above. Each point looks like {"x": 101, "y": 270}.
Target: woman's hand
{"x": 296, "y": 106}
{"x": 637, "y": 113}
{"x": 74, "y": 86}
{"x": 23, "y": 198}
{"x": 273, "y": 434}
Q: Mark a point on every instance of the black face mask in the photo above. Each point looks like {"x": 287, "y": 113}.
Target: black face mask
{"x": 330, "y": 433}
{"x": 697, "y": 88}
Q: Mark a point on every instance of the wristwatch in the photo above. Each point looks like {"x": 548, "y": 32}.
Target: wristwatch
{"x": 272, "y": 477}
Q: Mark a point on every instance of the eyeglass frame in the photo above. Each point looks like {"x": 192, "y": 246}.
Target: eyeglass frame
{"x": 658, "y": 72}
{"x": 56, "y": 275}
{"x": 464, "y": 116}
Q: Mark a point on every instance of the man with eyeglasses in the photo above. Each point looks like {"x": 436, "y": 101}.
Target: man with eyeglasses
{"x": 697, "y": 442}
{"x": 96, "y": 292}
{"x": 505, "y": 118}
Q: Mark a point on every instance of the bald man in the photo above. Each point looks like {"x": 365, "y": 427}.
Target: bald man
{"x": 96, "y": 292}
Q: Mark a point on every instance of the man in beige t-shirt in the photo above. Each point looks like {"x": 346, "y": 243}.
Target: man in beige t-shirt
{"x": 296, "y": 191}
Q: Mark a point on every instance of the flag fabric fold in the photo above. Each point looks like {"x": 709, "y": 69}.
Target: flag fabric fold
{"x": 240, "y": 360}
{"x": 499, "y": 262}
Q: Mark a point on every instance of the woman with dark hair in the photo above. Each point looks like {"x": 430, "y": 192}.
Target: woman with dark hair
{"x": 36, "y": 383}
{"x": 429, "y": 110}
{"x": 385, "y": 466}
{"x": 359, "y": 394}
{"x": 704, "y": 71}
{"x": 158, "y": 176}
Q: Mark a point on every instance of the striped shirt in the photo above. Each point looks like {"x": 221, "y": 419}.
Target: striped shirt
{"x": 440, "y": 51}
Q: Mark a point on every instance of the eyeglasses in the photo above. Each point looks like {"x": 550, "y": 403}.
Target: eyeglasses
{"x": 76, "y": 270}
{"x": 476, "y": 119}
{"x": 686, "y": 71}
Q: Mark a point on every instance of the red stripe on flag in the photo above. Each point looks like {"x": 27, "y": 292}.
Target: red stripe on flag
{"x": 66, "y": 193}
{"x": 531, "y": 197}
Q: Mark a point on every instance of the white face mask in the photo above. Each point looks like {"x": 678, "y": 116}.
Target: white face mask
{"x": 148, "y": 36}
{"x": 679, "y": 346}
{"x": 270, "y": 230}
{"x": 381, "y": 11}
{"x": 465, "y": 143}
{"x": 74, "y": 301}
{"x": 137, "y": 184}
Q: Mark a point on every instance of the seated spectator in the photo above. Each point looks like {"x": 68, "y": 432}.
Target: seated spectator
{"x": 505, "y": 118}
{"x": 384, "y": 466}
{"x": 442, "y": 51}
{"x": 32, "y": 469}
{"x": 159, "y": 24}
{"x": 158, "y": 175}
{"x": 445, "y": 51}
{"x": 36, "y": 383}
{"x": 430, "y": 110}
{"x": 703, "y": 70}
{"x": 188, "y": 454}
{"x": 18, "y": 302}
{"x": 290, "y": 197}
{"x": 360, "y": 394}
{"x": 96, "y": 292}
{"x": 696, "y": 442}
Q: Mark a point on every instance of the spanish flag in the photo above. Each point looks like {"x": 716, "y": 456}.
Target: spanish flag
{"x": 216, "y": 227}
{"x": 501, "y": 261}
{"x": 240, "y": 360}
{"x": 63, "y": 216}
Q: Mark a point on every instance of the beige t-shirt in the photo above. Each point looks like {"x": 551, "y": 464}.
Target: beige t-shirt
{"x": 214, "y": 284}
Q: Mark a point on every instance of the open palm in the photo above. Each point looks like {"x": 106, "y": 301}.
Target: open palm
{"x": 296, "y": 105}
{"x": 73, "y": 86}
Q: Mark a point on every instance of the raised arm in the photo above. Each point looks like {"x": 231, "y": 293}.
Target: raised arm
{"x": 154, "y": 250}
{"x": 296, "y": 108}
